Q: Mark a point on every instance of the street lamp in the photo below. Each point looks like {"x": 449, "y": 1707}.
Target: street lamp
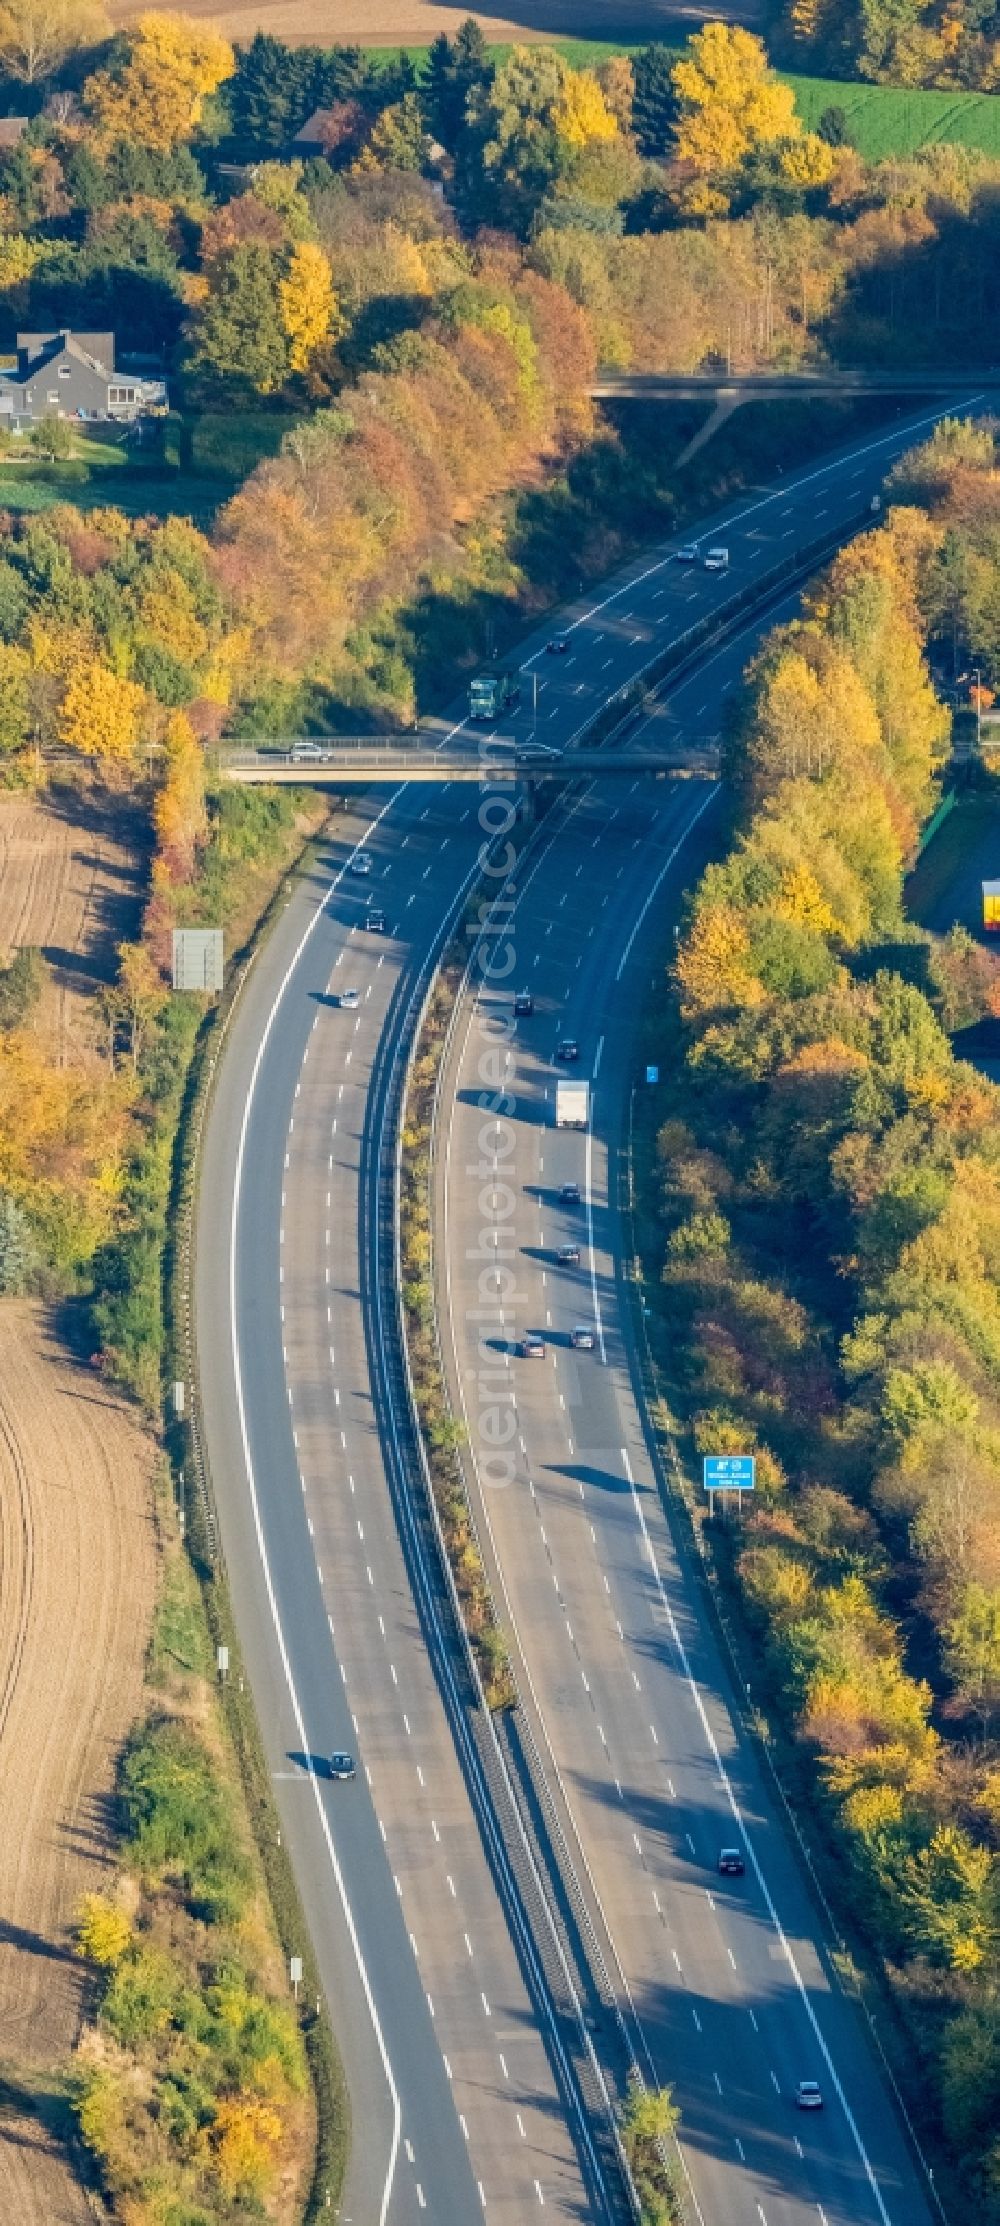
{"x": 978, "y": 681}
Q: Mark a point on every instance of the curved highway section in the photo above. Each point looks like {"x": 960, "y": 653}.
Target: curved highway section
{"x": 460, "y": 2104}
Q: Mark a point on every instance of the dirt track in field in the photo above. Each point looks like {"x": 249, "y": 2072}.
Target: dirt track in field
{"x": 77, "y": 1576}
{"x": 70, "y": 883}
{"x": 417, "y": 22}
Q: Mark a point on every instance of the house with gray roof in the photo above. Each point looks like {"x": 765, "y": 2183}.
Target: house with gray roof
{"x": 72, "y": 374}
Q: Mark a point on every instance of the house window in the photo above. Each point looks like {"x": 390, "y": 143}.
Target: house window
{"x": 52, "y": 397}
{"x": 65, "y": 370}
{"x": 122, "y": 394}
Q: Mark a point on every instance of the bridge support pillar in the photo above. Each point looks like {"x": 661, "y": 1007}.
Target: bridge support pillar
{"x": 728, "y": 401}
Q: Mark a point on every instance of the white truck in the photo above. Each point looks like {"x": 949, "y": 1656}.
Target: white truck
{"x": 572, "y": 1104}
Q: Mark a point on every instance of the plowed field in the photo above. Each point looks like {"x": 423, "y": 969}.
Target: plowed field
{"x": 69, "y": 884}
{"x": 77, "y": 1572}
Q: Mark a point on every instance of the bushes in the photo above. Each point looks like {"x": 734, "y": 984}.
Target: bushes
{"x": 193, "y": 2096}
{"x": 180, "y": 1824}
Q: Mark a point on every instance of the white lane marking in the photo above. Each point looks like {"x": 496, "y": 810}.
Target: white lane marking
{"x": 589, "y": 1180}
{"x": 661, "y": 876}
{"x": 272, "y": 1600}
{"x": 737, "y": 1814}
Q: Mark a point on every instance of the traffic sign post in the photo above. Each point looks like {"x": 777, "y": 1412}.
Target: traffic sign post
{"x": 728, "y": 1472}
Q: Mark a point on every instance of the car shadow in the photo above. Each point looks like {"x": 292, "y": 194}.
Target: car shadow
{"x": 317, "y": 1765}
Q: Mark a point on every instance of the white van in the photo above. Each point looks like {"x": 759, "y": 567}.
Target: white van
{"x": 716, "y": 560}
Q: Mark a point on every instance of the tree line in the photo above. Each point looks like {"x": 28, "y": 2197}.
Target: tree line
{"x": 951, "y": 43}
{"x": 829, "y": 1187}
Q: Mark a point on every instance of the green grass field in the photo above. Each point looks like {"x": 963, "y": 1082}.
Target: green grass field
{"x": 188, "y": 468}
{"x": 889, "y": 120}
{"x": 882, "y": 119}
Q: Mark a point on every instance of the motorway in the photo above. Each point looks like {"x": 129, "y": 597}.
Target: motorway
{"x": 461, "y": 2105}
{"x": 723, "y": 1989}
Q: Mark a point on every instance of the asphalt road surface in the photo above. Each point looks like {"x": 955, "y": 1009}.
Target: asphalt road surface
{"x": 458, "y": 2105}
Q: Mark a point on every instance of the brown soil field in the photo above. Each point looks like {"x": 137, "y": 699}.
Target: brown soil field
{"x": 77, "y": 1580}
{"x": 417, "y": 22}
{"x": 71, "y": 884}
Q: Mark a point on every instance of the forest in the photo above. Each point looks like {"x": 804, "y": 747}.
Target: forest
{"x": 829, "y": 1194}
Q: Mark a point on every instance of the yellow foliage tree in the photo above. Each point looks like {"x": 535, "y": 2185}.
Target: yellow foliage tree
{"x": 713, "y": 963}
{"x": 581, "y": 114}
{"x": 731, "y": 103}
{"x": 19, "y": 256}
{"x": 802, "y": 901}
{"x": 808, "y": 162}
{"x": 103, "y": 1932}
{"x": 156, "y": 99}
{"x": 36, "y": 35}
{"x": 179, "y": 815}
{"x": 308, "y": 304}
{"x": 100, "y": 714}
{"x": 245, "y": 2138}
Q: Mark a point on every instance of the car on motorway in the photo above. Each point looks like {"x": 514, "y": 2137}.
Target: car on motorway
{"x": 568, "y": 1255}
{"x": 716, "y": 560}
{"x": 307, "y": 753}
{"x": 375, "y": 920}
{"x": 731, "y": 1863}
{"x": 524, "y": 1004}
{"x": 581, "y": 1337}
{"x": 350, "y": 999}
{"x": 362, "y": 862}
{"x": 342, "y": 1766}
{"x": 688, "y": 553}
{"x": 532, "y": 1345}
{"x": 569, "y": 1194}
{"x": 558, "y": 645}
{"x": 808, "y": 2096}
{"x": 567, "y": 1050}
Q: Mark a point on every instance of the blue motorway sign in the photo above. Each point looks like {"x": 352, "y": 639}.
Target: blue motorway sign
{"x": 730, "y": 1472}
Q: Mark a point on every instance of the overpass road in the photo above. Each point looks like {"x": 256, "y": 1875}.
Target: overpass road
{"x": 461, "y": 2106}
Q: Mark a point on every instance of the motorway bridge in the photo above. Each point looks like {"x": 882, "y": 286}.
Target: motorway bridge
{"x": 361, "y": 759}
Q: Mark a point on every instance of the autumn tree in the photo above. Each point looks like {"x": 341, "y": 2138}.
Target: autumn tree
{"x": 140, "y": 994}
{"x": 513, "y": 150}
{"x": 104, "y": 1934}
{"x": 37, "y": 35}
{"x": 397, "y": 140}
{"x": 156, "y": 95}
{"x": 15, "y": 699}
{"x": 308, "y": 306}
{"x": 730, "y": 104}
{"x": 179, "y": 815}
{"x": 101, "y": 713}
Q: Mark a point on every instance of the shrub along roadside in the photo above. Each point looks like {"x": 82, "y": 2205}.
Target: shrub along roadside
{"x": 191, "y": 2086}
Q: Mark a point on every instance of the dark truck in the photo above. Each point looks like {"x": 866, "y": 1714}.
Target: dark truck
{"x": 493, "y": 693}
